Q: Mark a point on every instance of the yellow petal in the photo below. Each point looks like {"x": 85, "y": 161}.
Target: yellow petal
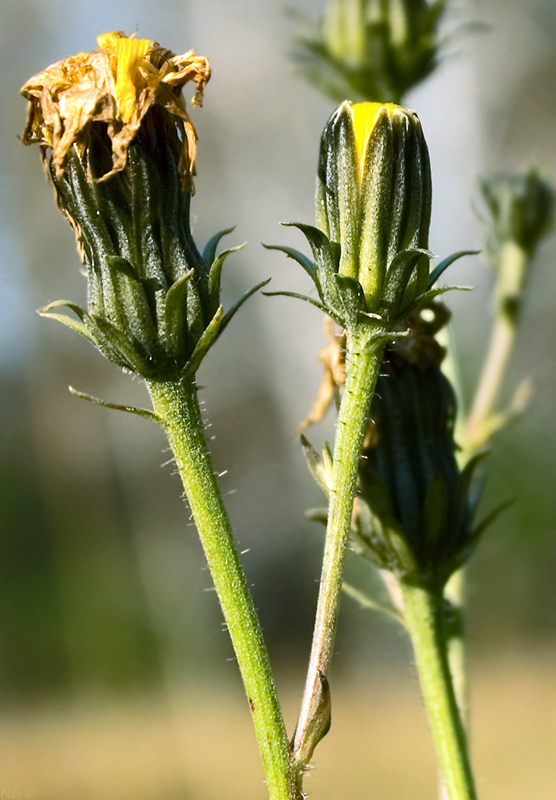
{"x": 364, "y": 116}
{"x": 131, "y": 53}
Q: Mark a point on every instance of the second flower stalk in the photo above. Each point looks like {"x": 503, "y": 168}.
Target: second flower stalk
{"x": 371, "y": 271}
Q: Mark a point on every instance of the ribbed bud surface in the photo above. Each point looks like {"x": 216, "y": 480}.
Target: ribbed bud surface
{"x": 374, "y": 196}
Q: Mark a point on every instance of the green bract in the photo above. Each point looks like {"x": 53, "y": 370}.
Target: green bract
{"x": 153, "y": 299}
{"x": 119, "y": 148}
{"x": 415, "y": 507}
{"x": 373, "y": 208}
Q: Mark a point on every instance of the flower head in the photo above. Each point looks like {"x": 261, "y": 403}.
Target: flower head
{"x": 116, "y": 84}
{"x": 119, "y": 149}
{"x": 374, "y": 195}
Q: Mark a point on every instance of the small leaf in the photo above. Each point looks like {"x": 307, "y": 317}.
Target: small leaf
{"x": 126, "y": 304}
{"x": 470, "y": 545}
{"x": 325, "y": 252}
{"x": 119, "y": 348}
{"x": 237, "y": 305}
{"x": 209, "y": 250}
{"x": 490, "y": 518}
{"x": 208, "y": 338}
{"x": 317, "y": 515}
{"x": 175, "y": 333}
{"x": 124, "y": 266}
{"x": 350, "y": 293}
{"x": 367, "y": 602}
{"x": 301, "y": 259}
{"x": 316, "y": 465}
{"x": 298, "y": 296}
{"x": 216, "y": 272}
{"x": 328, "y": 460}
{"x": 447, "y": 262}
{"x": 75, "y": 325}
{"x": 430, "y": 295}
{"x": 141, "y": 412}
{"x": 398, "y": 275}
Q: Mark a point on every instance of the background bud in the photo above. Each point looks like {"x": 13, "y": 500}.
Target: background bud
{"x": 372, "y": 49}
{"x": 520, "y": 209}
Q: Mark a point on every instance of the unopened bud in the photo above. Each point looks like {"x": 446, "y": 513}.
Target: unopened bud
{"x": 520, "y": 210}
{"x": 373, "y": 198}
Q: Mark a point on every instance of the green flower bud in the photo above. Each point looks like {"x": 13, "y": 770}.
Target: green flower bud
{"x": 415, "y": 508}
{"x": 520, "y": 209}
{"x": 372, "y": 49}
{"x": 119, "y": 149}
{"x": 373, "y": 198}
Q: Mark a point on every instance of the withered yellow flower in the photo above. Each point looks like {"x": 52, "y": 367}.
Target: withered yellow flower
{"x": 117, "y": 85}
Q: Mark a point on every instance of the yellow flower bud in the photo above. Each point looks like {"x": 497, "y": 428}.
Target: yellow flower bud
{"x": 374, "y": 198}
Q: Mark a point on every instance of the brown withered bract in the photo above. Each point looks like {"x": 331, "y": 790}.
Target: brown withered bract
{"x": 116, "y": 84}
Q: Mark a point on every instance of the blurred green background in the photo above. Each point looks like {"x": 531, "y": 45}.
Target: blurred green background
{"x": 116, "y": 676}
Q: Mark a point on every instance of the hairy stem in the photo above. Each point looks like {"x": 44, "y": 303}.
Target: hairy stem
{"x": 177, "y": 406}
{"x": 424, "y": 618}
{"x": 363, "y": 359}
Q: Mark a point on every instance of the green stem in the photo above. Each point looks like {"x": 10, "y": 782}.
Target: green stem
{"x": 457, "y": 651}
{"x": 363, "y": 359}
{"x": 177, "y": 406}
{"x": 477, "y": 430}
{"x": 512, "y": 271}
{"x": 424, "y": 618}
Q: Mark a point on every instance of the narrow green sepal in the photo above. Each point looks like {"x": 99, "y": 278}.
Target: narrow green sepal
{"x": 350, "y": 295}
{"x": 215, "y": 273}
{"x": 140, "y": 412}
{"x": 430, "y": 295}
{"x": 174, "y": 335}
{"x": 399, "y": 274}
{"x": 468, "y": 473}
{"x": 301, "y": 259}
{"x": 126, "y": 304}
{"x": 79, "y": 326}
{"x": 476, "y": 535}
{"x": 447, "y": 262}
{"x": 229, "y": 315}
{"x": 120, "y": 349}
{"x": 209, "y": 250}
{"x": 325, "y": 252}
{"x": 491, "y": 517}
{"x": 298, "y": 296}
{"x": 124, "y": 266}
{"x": 208, "y": 338}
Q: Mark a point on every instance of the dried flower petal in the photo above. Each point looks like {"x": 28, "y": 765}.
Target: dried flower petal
{"x": 116, "y": 84}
